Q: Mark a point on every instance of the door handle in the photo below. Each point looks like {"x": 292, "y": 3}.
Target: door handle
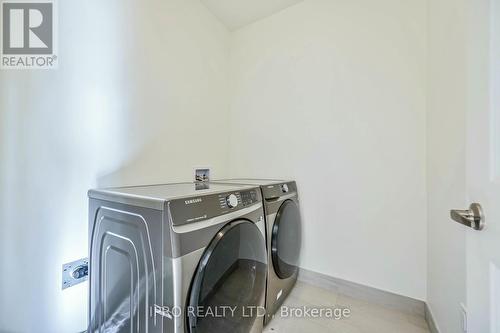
{"x": 472, "y": 217}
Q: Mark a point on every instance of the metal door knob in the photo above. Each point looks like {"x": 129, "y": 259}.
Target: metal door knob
{"x": 472, "y": 217}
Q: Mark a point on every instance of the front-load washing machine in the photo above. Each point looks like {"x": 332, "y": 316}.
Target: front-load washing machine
{"x": 283, "y": 230}
{"x": 178, "y": 258}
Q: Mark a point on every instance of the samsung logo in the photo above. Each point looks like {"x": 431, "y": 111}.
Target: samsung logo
{"x": 192, "y": 201}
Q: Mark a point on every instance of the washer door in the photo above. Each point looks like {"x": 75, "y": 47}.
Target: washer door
{"x": 230, "y": 281}
{"x": 286, "y": 240}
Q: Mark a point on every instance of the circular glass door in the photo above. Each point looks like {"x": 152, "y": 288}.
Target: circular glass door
{"x": 229, "y": 284}
{"x": 286, "y": 240}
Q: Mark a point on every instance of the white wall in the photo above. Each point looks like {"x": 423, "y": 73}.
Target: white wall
{"x": 139, "y": 86}
{"x": 446, "y": 161}
{"x": 333, "y": 94}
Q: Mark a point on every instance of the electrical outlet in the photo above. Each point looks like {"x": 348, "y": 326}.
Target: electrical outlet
{"x": 75, "y": 272}
{"x": 463, "y": 317}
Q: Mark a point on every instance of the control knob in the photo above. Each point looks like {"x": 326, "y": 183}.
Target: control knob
{"x": 232, "y": 201}
{"x": 284, "y": 188}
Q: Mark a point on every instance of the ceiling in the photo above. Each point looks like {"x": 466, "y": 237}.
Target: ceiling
{"x": 238, "y": 13}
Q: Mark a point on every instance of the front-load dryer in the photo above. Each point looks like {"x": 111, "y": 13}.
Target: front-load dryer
{"x": 178, "y": 258}
{"x": 283, "y": 230}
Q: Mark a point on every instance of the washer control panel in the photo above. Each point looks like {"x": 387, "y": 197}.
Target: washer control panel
{"x": 195, "y": 209}
{"x": 232, "y": 200}
{"x": 237, "y": 199}
{"x": 249, "y": 197}
{"x": 229, "y": 200}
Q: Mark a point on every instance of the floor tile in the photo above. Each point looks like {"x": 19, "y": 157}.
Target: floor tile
{"x": 364, "y": 317}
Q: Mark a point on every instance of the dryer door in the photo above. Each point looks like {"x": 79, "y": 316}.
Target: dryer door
{"x": 286, "y": 240}
{"x": 230, "y": 281}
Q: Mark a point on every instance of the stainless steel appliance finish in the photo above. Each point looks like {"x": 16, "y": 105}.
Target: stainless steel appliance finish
{"x": 159, "y": 251}
{"x": 283, "y": 237}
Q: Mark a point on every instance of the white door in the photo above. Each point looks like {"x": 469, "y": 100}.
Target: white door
{"x": 483, "y": 163}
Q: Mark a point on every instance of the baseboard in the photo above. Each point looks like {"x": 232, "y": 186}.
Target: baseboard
{"x": 429, "y": 318}
{"x": 358, "y": 291}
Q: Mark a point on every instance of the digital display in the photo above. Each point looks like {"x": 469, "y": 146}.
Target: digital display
{"x": 248, "y": 197}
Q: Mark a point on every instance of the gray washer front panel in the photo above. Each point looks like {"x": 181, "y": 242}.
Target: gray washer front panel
{"x": 182, "y": 270}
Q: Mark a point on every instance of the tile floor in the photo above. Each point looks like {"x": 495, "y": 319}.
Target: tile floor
{"x": 365, "y": 317}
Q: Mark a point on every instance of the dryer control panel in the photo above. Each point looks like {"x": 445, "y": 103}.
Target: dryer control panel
{"x": 201, "y": 208}
{"x": 275, "y": 191}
